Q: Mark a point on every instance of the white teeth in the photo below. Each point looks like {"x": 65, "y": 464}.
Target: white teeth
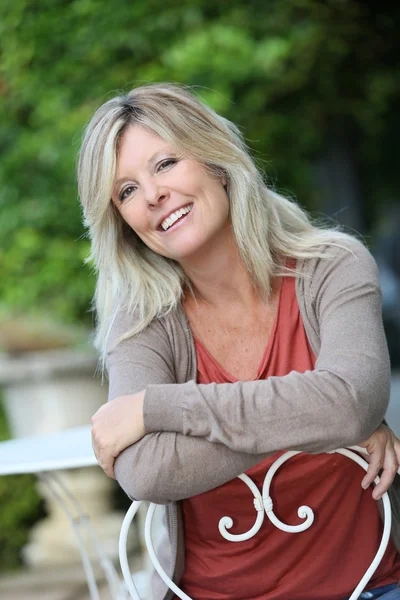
{"x": 175, "y": 216}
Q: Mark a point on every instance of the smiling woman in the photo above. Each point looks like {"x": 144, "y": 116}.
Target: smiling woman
{"x": 173, "y": 204}
{"x": 232, "y": 328}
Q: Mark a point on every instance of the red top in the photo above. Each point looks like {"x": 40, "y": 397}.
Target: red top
{"x": 325, "y": 562}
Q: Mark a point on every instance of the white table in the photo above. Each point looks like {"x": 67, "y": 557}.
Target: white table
{"x": 44, "y": 456}
{"x": 69, "y": 449}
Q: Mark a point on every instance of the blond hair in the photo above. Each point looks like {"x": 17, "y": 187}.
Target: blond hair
{"x": 131, "y": 277}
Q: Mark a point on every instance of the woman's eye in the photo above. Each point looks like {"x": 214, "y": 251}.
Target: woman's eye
{"x": 166, "y": 163}
{"x": 126, "y": 192}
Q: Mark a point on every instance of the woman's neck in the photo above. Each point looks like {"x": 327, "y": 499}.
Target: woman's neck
{"x": 219, "y": 277}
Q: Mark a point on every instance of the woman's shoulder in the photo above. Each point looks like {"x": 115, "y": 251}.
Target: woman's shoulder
{"x": 342, "y": 254}
{"x": 164, "y": 344}
{"x": 130, "y": 325}
{"x": 344, "y": 264}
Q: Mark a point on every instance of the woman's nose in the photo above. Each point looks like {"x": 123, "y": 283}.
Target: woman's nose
{"x": 154, "y": 194}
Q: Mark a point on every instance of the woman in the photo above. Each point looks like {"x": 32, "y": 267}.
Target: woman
{"x": 232, "y": 329}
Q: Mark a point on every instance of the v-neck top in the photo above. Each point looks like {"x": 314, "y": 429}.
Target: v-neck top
{"x": 324, "y": 562}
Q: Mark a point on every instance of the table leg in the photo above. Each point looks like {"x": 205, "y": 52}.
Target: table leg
{"x": 78, "y": 519}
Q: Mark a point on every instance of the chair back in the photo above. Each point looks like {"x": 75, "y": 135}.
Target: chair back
{"x": 264, "y": 507}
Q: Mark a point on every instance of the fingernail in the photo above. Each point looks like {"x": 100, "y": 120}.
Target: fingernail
{"x": 364, "y": 485}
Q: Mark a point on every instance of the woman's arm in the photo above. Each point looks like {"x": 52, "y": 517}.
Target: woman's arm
{"x": 167, "y": 466}
{"x": 338, "y": 404}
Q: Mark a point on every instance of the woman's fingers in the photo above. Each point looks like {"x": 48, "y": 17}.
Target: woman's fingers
{"x": 115, "y": 426}
{"x": 390, "y": 467}
{"x": 108, "y": 467}
{"x": 384, "y": 455}
{"x": 376, "y": 454}
{"x": 396, "y": 445}
{"x": 102, "y": 450}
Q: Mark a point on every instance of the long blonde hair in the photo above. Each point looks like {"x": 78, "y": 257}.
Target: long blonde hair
{"x": 133, "y": 278}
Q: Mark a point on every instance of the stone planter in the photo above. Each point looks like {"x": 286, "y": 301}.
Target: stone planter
{"x": 45, "y": 392}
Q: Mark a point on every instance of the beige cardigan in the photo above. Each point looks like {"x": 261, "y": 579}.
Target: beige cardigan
{"x": 201, "y": 436}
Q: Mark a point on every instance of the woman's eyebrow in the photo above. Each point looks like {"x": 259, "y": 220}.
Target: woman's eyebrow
{"x": 149, "y": 161}
{"x": 160, "y": 151}
{"x": 116, "y": 183}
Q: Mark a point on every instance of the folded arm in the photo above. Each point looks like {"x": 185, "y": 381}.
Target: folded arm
{"x": 164, "y": 466}
{"x": 340, "y": 403}
{"x": 200, "y": 436}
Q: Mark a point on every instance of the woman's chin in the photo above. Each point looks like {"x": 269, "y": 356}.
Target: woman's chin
{"x": 183, "y": 250}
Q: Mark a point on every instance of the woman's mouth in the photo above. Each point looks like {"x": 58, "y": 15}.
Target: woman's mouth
{"x": 175, "y": 217}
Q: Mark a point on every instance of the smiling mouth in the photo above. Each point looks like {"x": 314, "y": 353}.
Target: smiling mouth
{"x": 175, "y": 217}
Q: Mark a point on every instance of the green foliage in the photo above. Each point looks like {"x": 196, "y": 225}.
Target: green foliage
{"x": 46, "y": 272}
{"x": 294, "y": 74}
{"x": 20, "y": 507}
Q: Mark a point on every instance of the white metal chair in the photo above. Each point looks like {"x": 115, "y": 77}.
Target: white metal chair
{"x": 263, "y": 504}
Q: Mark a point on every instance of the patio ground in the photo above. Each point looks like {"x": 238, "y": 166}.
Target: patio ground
{"x": 56, "y": 584}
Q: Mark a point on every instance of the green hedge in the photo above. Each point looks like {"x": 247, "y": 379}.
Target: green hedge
{"x": 296, "y": 75}
{"x": 20, "y": 507}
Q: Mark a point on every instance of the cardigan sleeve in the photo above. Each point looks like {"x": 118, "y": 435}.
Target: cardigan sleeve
{"x": 163, "y": 466}
{"x": 338, "y": 404}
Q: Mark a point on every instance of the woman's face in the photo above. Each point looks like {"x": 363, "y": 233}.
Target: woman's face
{"x": 172, "y": 203}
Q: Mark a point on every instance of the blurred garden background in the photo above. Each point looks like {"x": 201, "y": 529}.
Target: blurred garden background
{"x": 314, "y": 86}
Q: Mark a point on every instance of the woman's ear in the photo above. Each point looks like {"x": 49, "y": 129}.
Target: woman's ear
{"x": 224, "y": 182}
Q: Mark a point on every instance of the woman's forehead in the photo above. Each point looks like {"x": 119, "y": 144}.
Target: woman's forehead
{"x": 140, "y": 138}
{"x": 139, "y": 146}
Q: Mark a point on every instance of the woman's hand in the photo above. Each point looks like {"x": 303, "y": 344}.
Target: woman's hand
{"x": 383, "y": 449}
{"x": 115, "y": 426}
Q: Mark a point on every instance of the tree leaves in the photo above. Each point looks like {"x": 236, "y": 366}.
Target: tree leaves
{"x": 292, "y": 73}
